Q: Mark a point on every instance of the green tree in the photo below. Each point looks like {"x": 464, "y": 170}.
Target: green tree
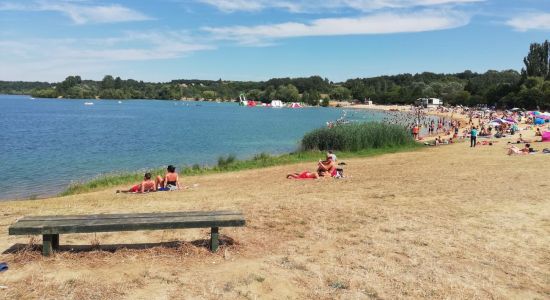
{"x": 325, "y": 102}
{"x": 537, "y": 61}
{"x": 108, "y": 82}
{"x": 209, "y": 95}
{"x": 256, "y": 95}
{"x": 118, "y": 83}
{"x": 340, "y": 93}
{"x": 287, "y": 93}
{"x": 311, "y": 97}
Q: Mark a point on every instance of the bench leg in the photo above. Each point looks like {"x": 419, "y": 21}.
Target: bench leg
{"x": 47, "y": 244}
{"x": 55, "y": 241}
{"x": 214, "y": 239}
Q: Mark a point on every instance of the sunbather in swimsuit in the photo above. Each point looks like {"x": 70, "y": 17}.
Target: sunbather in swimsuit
{"x": 303, "y": 175}
{"x": 147, "y": 185}
{"x": 170, "y": 180}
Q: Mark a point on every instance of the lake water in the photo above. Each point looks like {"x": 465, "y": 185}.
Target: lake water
{"x": 45, "y": 144}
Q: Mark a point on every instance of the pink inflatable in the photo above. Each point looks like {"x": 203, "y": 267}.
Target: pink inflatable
{"x": 546, "y": 136}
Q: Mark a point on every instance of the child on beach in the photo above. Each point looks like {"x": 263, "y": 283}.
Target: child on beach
{"x": 170, "y": 181}
{"x": 147, "y": 185}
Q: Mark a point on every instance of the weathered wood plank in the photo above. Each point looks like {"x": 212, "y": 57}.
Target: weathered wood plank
{"x": 129, "y": 223}
{"x": 54, "y": 223}
{"x": 124, "y": 216}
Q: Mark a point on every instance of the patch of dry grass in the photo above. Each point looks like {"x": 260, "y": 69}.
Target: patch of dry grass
{"x": 449, "y": 222}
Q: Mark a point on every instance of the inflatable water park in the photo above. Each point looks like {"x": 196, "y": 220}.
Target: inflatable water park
{"x": 273, "y": 104}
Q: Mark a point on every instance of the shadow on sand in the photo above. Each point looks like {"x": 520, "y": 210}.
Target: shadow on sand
{"x": 202, "y": 243}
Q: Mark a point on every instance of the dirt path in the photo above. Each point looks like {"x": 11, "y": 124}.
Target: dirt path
{"x": 444, "y": 222}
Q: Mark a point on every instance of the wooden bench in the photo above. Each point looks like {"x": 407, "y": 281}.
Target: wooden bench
{"x": 52, "y": 226}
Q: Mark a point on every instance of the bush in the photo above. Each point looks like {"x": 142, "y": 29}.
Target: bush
{"x": 224, "y": 162}
{"x": 356, "y": 137}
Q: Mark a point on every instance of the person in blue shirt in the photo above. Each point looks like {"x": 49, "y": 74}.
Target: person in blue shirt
{"x": 473, "y": 137}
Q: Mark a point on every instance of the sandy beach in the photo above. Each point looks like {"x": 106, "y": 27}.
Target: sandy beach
{"x": 442, "y": 222}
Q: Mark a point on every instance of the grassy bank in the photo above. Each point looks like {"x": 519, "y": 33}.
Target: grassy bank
{"x": 354, "y": 140}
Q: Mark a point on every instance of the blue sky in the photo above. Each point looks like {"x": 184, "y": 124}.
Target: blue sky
{"x": 161, "y": 40}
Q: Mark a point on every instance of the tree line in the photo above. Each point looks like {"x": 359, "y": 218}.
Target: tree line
{"x": 528, "y": 89}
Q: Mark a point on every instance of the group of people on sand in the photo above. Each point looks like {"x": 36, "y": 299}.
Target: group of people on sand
{"x": 325, "y": 169}
{"x": 170, "y": 182}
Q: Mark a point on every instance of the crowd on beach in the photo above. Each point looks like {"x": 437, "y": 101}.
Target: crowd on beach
{"x": 480, "y": 126}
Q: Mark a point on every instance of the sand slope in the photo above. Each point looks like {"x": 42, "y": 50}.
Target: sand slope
{"x": 446, "y": 222}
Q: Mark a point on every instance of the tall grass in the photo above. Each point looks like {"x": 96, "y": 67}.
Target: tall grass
{"x": 356, "y": 137}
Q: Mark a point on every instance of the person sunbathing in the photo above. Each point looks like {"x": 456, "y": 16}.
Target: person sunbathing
{"x": 527, "y": 149}
{"x": 147, "y": 185}
{"x": 303, "y": 175}
{"x": 170, "y": 181}
{"x": 326, "y": 167}
{"x": 513, "y": 150}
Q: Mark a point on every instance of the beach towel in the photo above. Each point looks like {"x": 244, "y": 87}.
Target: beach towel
{"x": 3, "y": 267}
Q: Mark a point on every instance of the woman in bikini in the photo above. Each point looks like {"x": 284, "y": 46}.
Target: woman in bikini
{"x": 170, "y": 180}
{"x": 303, "y": 175}
{"x": 147, "y": 185}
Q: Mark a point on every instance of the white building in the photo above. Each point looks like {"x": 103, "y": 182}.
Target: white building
{"x": 429, "y": 102}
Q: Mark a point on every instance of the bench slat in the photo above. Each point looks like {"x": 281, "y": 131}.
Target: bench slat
{"x": 128, "y": 222}
{"x": 138, "y": 215}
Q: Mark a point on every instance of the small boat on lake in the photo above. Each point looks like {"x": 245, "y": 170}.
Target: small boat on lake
{"x": 88, "y": 103}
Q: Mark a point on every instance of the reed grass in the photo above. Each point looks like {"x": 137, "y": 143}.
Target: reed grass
{"x": 356, "y": 137}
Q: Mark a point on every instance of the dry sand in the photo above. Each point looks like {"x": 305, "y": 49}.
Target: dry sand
{"x": 445, "y": 222}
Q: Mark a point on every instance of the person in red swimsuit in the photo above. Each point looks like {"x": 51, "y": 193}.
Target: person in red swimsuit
{"x": 303, "y": 175}
{"x": 147, "y": 185}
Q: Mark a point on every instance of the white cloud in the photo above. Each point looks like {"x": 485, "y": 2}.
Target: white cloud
{"x": 315, "y": 5}
{"x": 532, "y": 21}
{"x": 81, "y": 13}
{"x": 381, "y": 23}
{"x": 32, "y": 59}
